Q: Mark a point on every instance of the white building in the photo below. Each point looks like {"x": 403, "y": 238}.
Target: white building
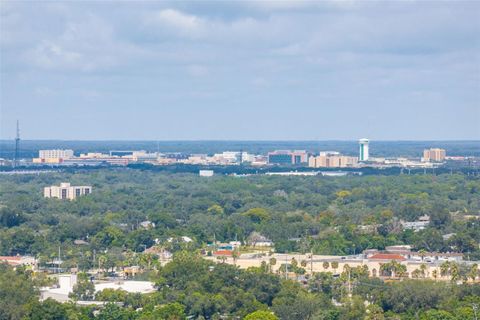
{"x": 55, "y": 154}
{"x": 66, "y": 191}
{"x": 206, "y": 173}
{"x": 363, "y": 153}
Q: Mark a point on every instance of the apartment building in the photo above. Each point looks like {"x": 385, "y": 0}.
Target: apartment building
{"x": 434, "y": 155}
{"x": 66, "y": 192}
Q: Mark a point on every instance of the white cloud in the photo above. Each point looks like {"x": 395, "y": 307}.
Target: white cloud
{"x": 177, "y": 22}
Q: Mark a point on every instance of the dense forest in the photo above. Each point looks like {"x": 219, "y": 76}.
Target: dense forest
{"x": 323, "y": 215}
{"x": 319, "y": 214}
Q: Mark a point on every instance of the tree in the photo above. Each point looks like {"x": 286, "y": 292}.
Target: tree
{"x": 303, "y": 263}
{"x": 235, "y": 256}
{"x": 334, "y": 265}
{"x": 437, "y": 315}
{"x": 473, "y": 274}
{"x": 261, "y": 315}
{"x": 113, "y": 312}
{"x": 47, "y": 310}
{"x": 294, "y": 303}
{"x": 257, "y": 215}
{"x": 272, "y": 262}
{"x": 84, "y": 289}
{"x": 353, "y": 309}
{"x": 374, "y": 312}
{"x": 216, "y": 209}
{"x": 16, "y": 292}
{"x": 171, "y": 311}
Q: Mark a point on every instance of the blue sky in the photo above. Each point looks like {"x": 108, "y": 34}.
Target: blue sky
{"x": 267, "y": 70}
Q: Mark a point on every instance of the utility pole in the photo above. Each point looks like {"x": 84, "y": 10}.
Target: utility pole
{"x": 17, "y": 146}
{"x": 286, "y": 266}
{"x": 349, "y": 285}
{"x": 311, "y": 263}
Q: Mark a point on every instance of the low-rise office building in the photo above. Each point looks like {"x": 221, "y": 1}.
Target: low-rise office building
{"x": 53, "y": 156}
{"x": 288, "y": 157}
{"x": 327, "y": 160}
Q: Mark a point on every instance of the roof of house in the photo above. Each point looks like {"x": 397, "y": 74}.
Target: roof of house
{"x": 223, "y": 253}
{"x": 387, "y": 256}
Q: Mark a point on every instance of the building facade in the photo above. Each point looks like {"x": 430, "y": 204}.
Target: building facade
{"x": 332, "y": 161}
{"x": 53, "y": 156}
{"x": 434, "y": 155}
{"x": 66, "y": 192}
{"x": 288, "y": 157}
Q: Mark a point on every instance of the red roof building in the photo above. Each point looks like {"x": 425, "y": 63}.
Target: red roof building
{"x": 387, "y": 256}
{"x": 222, "y": 253}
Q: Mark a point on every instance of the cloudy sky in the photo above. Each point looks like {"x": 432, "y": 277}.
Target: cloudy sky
{"x": 240, "y": 70}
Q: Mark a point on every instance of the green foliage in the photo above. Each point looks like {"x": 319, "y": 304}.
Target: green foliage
{"x": 261, "y": 315}
{"x": 307, "y": 214}
{"x": 84, "y": 289}
{"x": 16, "y": 293}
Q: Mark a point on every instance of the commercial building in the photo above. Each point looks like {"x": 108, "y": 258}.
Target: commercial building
{"x": 434, "y": 155}
{"x": 332, "y": 161}
{"x": 53, "y": 156}
{"x": 363, "y": 152}
{"x": 66, "y": 191}
{"x": 288, "y": 157}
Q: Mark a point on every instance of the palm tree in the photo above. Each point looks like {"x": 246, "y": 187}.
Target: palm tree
{"x": 334, "y": 265}
{"x": 273, "y": 262}
{"x": 235, "y": 255}
{"x": 416, "y": 273}
{"x": 445, "y": 268}
{"x": 294, "y": 262}
{"x": 422, "y": 253}
{"x": 473, "y": 272}
{"x": 423, "y": 270}
{"x": 303, "y": 263}
{"x": 454, "y": 271}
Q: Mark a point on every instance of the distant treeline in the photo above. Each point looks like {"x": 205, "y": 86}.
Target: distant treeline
{"x": 249, "y": 170}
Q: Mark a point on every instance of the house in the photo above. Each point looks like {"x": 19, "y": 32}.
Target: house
{"x": 182, "y": 238}
{"x": 19, "y": 260}
{"x": 257, "y": 240}
{"x": 224, "y": 253}
{"x": 160, "y": 252}
{"x": 418, "y": 225}
{"x": 147, "y": 224}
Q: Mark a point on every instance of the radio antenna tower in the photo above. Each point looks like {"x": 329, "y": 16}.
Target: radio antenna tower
{"x": 17, "y": 146}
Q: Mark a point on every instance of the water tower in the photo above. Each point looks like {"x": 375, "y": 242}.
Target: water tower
{"x": 363, "y": 143}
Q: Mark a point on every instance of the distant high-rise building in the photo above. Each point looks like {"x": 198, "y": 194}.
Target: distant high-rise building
{"x": 434, "y": 154}
{"x": 66, "y": 191}
{"x": 363, "y": 155}
{"x": 288, "y": 157}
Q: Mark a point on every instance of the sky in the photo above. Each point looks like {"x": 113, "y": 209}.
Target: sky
{"x": 240, "y": 70}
